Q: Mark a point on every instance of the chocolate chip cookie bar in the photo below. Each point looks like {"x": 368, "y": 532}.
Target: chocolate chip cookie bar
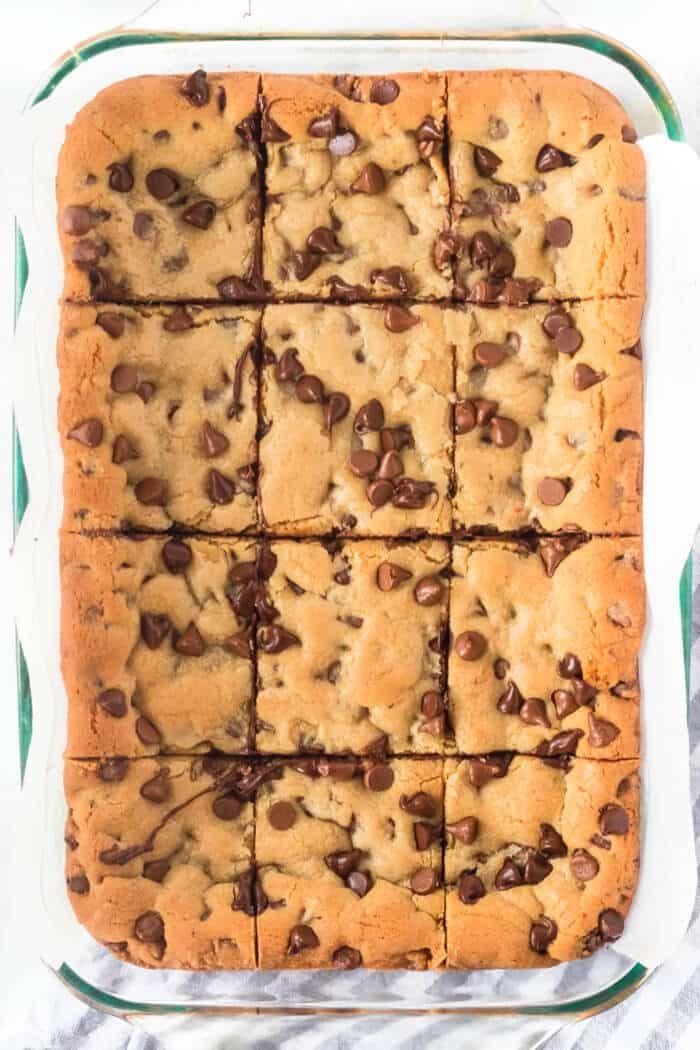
{"x": 354, "y": 657}
{"x": 159, "y": 859}
{"x": 541, "y": 858}
{"x": 157, "y": 643}
{"x": 544, "y": 647}
{"x": 357, "y": 193}
{"x": 159, "y": 191}
{"x": 362, "y": 395}
{"x": 157, "y": 416}
{"x": 548, "y": 417}
{"x": 547, "y": 189}
{"x": 349, "y": 860}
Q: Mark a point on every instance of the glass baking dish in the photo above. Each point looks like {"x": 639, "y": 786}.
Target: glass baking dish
{"x": 565, "y": 992}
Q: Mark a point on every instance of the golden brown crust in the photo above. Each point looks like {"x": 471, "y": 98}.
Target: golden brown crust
{"x": 191, "y": 702}
{"x": 392, "y": 220}
{"x": 597, "y": 184}
{"x": 593, "y": 809}
{"x": 568, "y": 642}
{"x": 152, "y": 871}
{"x": 148, "y": 124}
{"x": 153, "y": 392}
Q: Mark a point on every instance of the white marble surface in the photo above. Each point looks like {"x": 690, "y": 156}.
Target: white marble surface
{"x": 34, "y": 33}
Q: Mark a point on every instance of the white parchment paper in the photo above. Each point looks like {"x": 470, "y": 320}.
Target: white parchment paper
{"x": 672, "y": 511}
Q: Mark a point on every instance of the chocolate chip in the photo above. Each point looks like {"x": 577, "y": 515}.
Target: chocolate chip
{"x": 390, "y": 576}
{"x": 424, "y": 881}
{"x": 301, "y": 938}
{"x": 549, "y": 158}
{"x": 419, "y": 805}
{"x": 213, "y": 441}
{"x": 552, "y": 491}
{"x": 564, "y": 703}
{"x": 304, "y": 264}
{"x": 124, "y": 379}
{"x": 378, "y": 777}
{"x": 613, "y": 820}
{"x": 275, "y": 639}
{"x": 569, "y": 666}
{"x": 611, "y": 924}
{"x": 343, "y": 862}
{"x": 369, "y": 417}
{"x": 323, "y": 240}
{"x": 86, "y": 253}
{"x": 201, "y": 214}
{"x": 542, "y": 933}
{"x": 559, "y": 232}
{"x": 79, "y": 884}
{"x": 112, "y": 770}
{"x": 347, "y": 292}
{"x": 309, "y": 390}
{"x": 157, "y": 789}
{"x": 583, "y": 692}
{"x": 553, "y": 552}
{"x": 343, "y": 144}
{"x": 359, "y": 882}
{"x": 600, "y": 731}
{"x": 379, "y": 492}
{"x": 555, "y": 320}
{"x": 176, "y": 555}
{"x": 146, "y": 731}
{"x": 226, "y": 807}
{"x": 154, "y": 629}
{"x": 410, "y": 494}
{"x": 500, "y": 668}
{"x": 89, "y": 432}
{"x": 112, "y": 702}
{"x": 489, "y": 354}
{"x": 394, "y": 439}
{"x": 370, "y": 180}
{"x": 146, "y": 391}
{"x": 325, "y": 127}
{"x": 470, "y": 888}
{"x": 432, "y": 704}
{"x": 289, "y": 368}
{"x": 112, "y": 323}
{"x": 335, "y": 409}
{"x": 628, "y": 133}
{"x": 464, "y": 830}
{"x": 448, "y": 246}
{"x": 564, "y": 743}
{"x": 508, "y": 876}
{"x": 618, "y": 615}
{"x": 510, "y": 702}
{"x": 156, "y": 870}
{"x": 120, "y": 177}
{"x": 425, "y": 834}
{"x": 429, "y": 591}
{"x": 77, "y": 220}
{"x": 470, "y": 645}
{"x": 391, "y": 466}
{"x": 151, "y": 492}
{"x": 149, "y": 927}
{"x": 568, "y": 341}
{"x": 346, "y": 958}
{"x": 249, "y": 896}
{"x": 465, "y": 416}
{"x": 485, "y": 410}
{"x": 220, "y": 489}
{"x": 162, "y": 183}
{"x": 503, "y": 431}
{"x": 190, "y": 642}
{"x": 282, "y": 815}
{"x": 486, "y": 161}
{"x": 583, "y": 865}
{"x": 398, "y": 318}
{"x": 534, "y": 712}
{"x": 393, "y": 277}
{"x": 270, "y": 130}
{"x": 384, "y": 91}
{"x": 241, "y": 643}
{"x": 429, "y": 137}
{"x": 195, "y": 88}
{"x": 363, "y": 462}
{"x": 498, "y": 129}
{"x": 484, "y": 768}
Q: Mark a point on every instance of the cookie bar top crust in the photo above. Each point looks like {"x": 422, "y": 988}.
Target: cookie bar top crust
{"x": 349, "y": 859}
{"x": 542, "y": 858}
{"x": 357, "y": 193}
{"x": 157, "y": 415}
{"x": 356, "y": 406}
{"x": 547, "y": 188}
{"x": 159, "y": 860}
{"x": 156, "y": 644}
{"x": 354, "y": 659}
{"x": 544, "y": 647}
{"x": 548, "y": 417}
{"x": 159, "y": 193}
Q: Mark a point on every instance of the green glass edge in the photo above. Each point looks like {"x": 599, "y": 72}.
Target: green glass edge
{"x": 20, "y": 499}
{"x": 674, "y": 129}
